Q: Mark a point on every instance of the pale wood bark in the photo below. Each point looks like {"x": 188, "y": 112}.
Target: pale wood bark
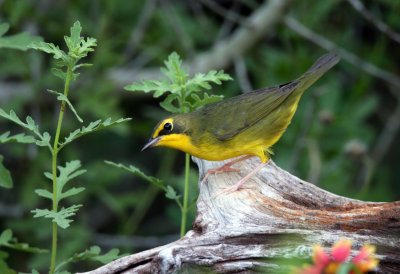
{"x": 277, "y": 218}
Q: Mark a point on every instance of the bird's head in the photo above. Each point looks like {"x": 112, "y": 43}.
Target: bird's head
{"x": 172, "y": 132}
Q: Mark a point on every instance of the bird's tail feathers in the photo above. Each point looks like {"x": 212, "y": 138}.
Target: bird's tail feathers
{"x": 322, "y": 65}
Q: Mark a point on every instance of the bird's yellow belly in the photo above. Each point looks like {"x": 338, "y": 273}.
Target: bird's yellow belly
{"x": 212, "y": 151}
{"x": 234, "y": 148}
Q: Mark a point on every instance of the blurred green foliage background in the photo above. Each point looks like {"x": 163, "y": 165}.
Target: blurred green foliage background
{"x": 342, "y": 138}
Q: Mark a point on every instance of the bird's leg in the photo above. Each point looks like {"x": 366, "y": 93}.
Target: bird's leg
{"x": 239, "y": 184}
{"x": 225, "y": 168}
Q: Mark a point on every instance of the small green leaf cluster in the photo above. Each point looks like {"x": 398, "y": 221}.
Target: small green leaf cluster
{"x": 66, "y": 174}
{"x": 184, "y": 91}
{"x": 78, "y": 48}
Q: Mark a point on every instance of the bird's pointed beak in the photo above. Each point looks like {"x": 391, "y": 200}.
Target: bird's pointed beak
{"x": 151, "y": 143}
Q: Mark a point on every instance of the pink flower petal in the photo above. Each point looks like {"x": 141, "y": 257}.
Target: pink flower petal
{"x": 320, "y": 258}
{"x": 341, "y": 250}
{"x": 365, "y": 251}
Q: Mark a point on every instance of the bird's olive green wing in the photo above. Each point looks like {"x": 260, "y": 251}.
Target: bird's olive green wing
{"x": 234, "y": 115}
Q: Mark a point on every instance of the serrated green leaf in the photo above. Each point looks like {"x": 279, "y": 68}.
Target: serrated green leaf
{"x": 181, "y": 88}
{"x": 5, "y": 237}
{"x": 108, "y": 257}
{"x": 201, "y": 80}
{"x": 12, "y": 117}
{"x": 44, "y": 140}
{"x": 75, "y": 37}
{"x": 66, "y": 174}
{"x": 175, "y": 72}
{"x": 61, "y": 218}
{"x": 92, "y": 254}
{"x": 171, "y": 193}
{"x": 4, "y": 27}
{"x": 81, "y": 65}
{"x": 18, "y": 41}
{"x": 59, "y": 73}
{"x": 31, "y": 124}
{"x": 50, "y": 48}
{"x": 62, "y": 97}
{"x": 5, "y": 177}
{"x": 19, "y": 138}
{"x": 167, "y": 104}
{"x": 153, "y": 180}
{"x": 92, "y": 127}
{"x": 158, "y": 86}
{"x": 7, "y": 240}
{"x": 207, "y": 99}
{"x": 77, "y": 45}
{"x": 44, "y": 193}
{"x": 86, "y": 47}
{"x": 72, "y": 191}
{"x": 134, "y": 170}
{"x": 48, "y": 175}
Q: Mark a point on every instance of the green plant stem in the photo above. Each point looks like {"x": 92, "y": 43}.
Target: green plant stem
{"x": 54, "y": 158}
{"x": 185, "y": 196}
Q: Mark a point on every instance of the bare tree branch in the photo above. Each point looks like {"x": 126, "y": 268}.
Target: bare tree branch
{"x": 387, "y": 135}
{"x": 138, "y": 242}
{"x": 173, "y": 20}
{"x": 141, "y": 25}
{"x": 241, "y": 71}
{"x": 222, "y": 55}
{"x": 379, "y": 24}
{"x": 227, "y": 14}
{"x": 346, "y": 55}
{"x": 382, "y": 145}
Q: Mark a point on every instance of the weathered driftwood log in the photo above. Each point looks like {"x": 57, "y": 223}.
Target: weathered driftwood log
{"x": 278, "y": 218}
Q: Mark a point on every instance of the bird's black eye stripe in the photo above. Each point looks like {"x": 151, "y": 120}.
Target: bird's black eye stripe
{"x": 168, "y": 126}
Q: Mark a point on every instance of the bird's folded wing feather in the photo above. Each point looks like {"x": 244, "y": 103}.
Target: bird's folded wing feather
{"x": 235, "y": 115}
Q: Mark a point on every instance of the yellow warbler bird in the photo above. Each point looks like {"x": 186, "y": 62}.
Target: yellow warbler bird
{"x": 248, "y": 124}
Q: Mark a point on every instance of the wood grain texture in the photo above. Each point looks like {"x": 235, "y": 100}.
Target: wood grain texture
{"x": 278, "y": 218}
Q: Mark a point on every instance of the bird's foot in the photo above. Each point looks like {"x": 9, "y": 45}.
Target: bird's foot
{"x": 225, "y": 168}
{"x": 222, "y": 169}
{"x": 241, "y": 182}
{"x": 233, "y": 188}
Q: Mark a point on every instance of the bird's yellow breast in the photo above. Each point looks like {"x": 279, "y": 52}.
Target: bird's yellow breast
{"x": 216, "y": 152}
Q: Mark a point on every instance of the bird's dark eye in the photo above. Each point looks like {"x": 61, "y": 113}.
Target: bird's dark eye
{"x": 168, "y": 126}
